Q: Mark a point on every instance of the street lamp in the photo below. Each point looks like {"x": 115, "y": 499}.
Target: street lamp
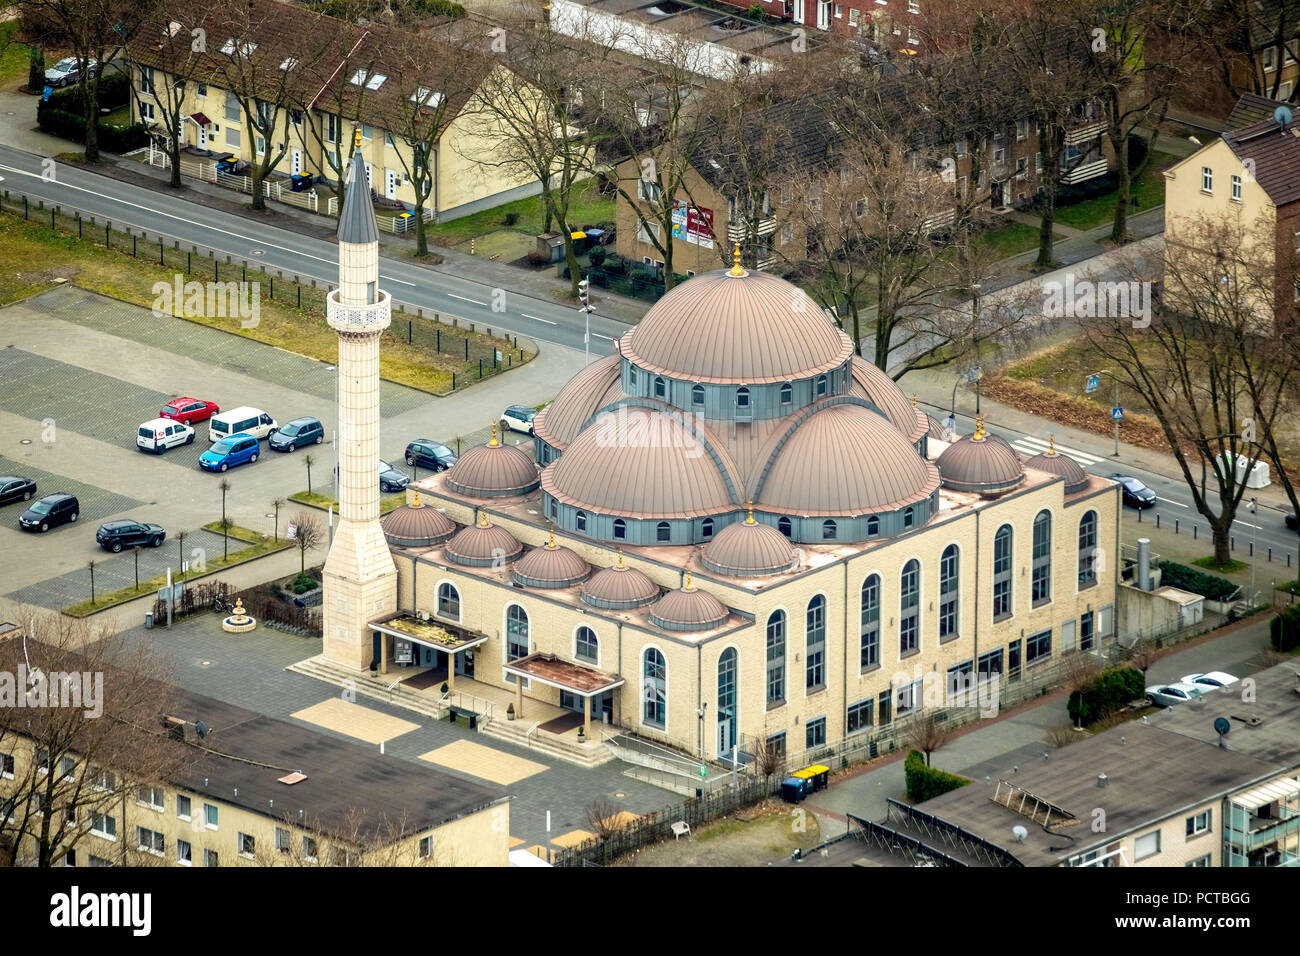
{"x": 1254, "y": 558}
{"x": 975, "y": 314}
{"x": 1114, "y": 378}
{"x": 585, "y": 308}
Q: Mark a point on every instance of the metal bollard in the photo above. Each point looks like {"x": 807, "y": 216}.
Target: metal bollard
{"x": 1193, "y": 532}
{"x": 1270, "y": 555}
{"x": 1157, "y": 519}
{"x": 1250, "y": 549}
{"x": 1175, "y": 526}
{"x": 1232, "y": 542}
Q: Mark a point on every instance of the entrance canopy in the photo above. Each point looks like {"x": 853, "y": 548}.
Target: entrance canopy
{"x": 566, "y": 675}
{"x": 437, "y": 635}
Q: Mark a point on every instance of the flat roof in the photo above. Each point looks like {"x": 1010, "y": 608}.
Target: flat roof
{"x": 436, "y": 634}
{"x": 1151, "y": 774}
{"x": 549, "y": 669}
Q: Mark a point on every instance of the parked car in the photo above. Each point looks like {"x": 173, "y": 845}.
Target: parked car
{"x": 1209, "y": 680}
{"x": 242, "y": 420}
{"x": 1292, "y": 523}
{"x": 189, "y": 410}
{"x": 300, "y": 431}
{"x": 518, "y": 418}
{"x": 49, "y": 511}
{"x": 15, "y": 488}
{"x": 1135, "y": 493}
{"x": 429, "y": 454}
{"x": 161, "y": 434}
{"x": 68, "y": 71}
{"x": 1166, "y": 695}
{"x": 124, "y": 533}
{"x": 390, "y": 479}
{"x": 230, "y": 452}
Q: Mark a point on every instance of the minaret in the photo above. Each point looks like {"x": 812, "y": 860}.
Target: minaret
{"x": 360, "y": 580}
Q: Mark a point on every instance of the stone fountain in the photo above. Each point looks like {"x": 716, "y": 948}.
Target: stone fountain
{"x": 239, "y": 621}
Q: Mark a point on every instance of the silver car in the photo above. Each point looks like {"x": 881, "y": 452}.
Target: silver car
{"x": 1166, "y": 695}
{"x": 68, "y": 71}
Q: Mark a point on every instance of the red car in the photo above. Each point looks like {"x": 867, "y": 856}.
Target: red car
{"x": 189, "y": 410}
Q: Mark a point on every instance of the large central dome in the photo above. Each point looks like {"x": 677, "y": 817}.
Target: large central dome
{"x": 748, "y": 329}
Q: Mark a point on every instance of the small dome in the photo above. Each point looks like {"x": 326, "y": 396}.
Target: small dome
{"x": 483, "y": 545}
{"x": 591, "y": 389}
{"x": 551, "y": 566}
{"x": 936, "y": 428}
{"x": 871, "y": 383}
{"x": 416, "y": 525}
{"x": 1057, "y": 464}
{"x": 749, "y": 547}
{"x": 980, "y": 462}
{"x": 493, "y": 470}
{"x": 619, "y": 588}
{"x": 688, "y": 609}
{"x": 736, "y": 327}
{"x": 845, "y": 460}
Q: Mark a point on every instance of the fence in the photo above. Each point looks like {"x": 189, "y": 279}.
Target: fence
{"x": 657, "y": 826}
{"x": 1284, "y": 558}
{"x": 477, "y": 354}
{"x": 197, "y": 597}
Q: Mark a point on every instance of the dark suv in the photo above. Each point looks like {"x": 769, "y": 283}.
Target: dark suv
{"x": 116, "y": 535}
{"x": 429, "y": 454}
{"x": 50, "y": 511}
{"x": 299, "y": 432}
{"x": 14, "y": 488}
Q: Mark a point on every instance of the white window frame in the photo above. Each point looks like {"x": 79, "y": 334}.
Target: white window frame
{"x": 426, "y": 847}
{"x": 1235, "y": 193}
{"x": 153, "y": 792}
{"x": 1207, "y": 180}
{"x": 240, "y": 839}
{"x": 7, "y": 761}
{"x": 189, "y": 803}
{"x": 1137, "y": 846}
{"x": 94, "y": 820}
{"x": 643, "y": 234}
{"x": 149, "y": 847}
{"x": 214, "y": 815}
{"x": 1197, "y": 829}
{"x": 183, "y": 861}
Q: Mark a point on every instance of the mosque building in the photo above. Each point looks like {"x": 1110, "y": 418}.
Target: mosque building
{"x": 733, "y": 536}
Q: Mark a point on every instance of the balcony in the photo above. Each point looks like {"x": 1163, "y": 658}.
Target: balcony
{"x": 1085, "y": 171}
{"x": 1082, "y": 134}
{"x": 738, "y": 230}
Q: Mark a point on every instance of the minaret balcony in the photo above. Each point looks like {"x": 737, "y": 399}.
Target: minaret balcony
{"x": 359, "y": 318}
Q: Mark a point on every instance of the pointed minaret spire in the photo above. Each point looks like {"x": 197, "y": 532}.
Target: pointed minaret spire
{"x": 357, "y": 220}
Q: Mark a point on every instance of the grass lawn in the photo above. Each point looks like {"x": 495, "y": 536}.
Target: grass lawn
{"x": 588, "y": 206}
{"x": 252, "y": 545}
{"x": 13, "y": 57}
{"x": 49, "y": 255}
{"x": 1010, "y": 239}
{"x": 119, "y": 117}
{"x": 769, "y": 834}
{"x": 324, "y": 502}
{"x": 1232, "y": 566}
{"x": 1148, "y": 189}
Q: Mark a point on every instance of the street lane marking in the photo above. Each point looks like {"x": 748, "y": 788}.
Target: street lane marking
{"x": 1036, "y": 446}
{"x": 597, "y": 335}
{"x": 1247, "y": 524}
{"x": 1170, "y": 501}
{"x": 462, "y": 298}
{"x": 537, "y": 317}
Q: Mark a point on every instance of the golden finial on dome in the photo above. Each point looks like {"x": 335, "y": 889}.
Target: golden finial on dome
{"x": 550, "y": 541}
{"x": 356, "y": 136}
{"x": 980, "y": 434}
{"x": 735, "y": 269}
{"x": 687, "y": 586}
{"x": 914, "y": 399}
{"x": 482, "y": 519}
{"x": 1051, "y": 444}
{"x": 620, "y": 559}
{"x": 494, "y": 443}
{"x": 750, "y": 519}
{"x": 416, "y": 502}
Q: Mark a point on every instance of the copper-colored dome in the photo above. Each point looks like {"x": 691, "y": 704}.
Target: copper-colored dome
{"x": 639, "y": 462}
{"x": 416, "y": 525}
{"x": 845, "y": 460}
{"x": 591, "y": 389}
{"x": 550, "y": 566}
{"x": 483, "y": 545}
{"x": 1057, "y": 464}
{"x": 936, "y": 429}
{"x": 619, "y": 588}
{"x": 688, "y": 609}
{"x": 877, "y": 387}
{"x": 736, "y": 329}
{"x": 493, "y": 470}
{"x": 980, "y": 462}
{"x": 749, "y": 547}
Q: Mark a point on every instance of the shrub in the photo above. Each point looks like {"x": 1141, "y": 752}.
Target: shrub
{"x": 597, "y": 255}
{"x": 1284, "y": 630}
{"x": 512, "y": 218}
{"x": 756, "y": 12}
{"x": 924, "y": 783}
{"x": 1108, "y": 692}
{"x": 536, "y": 259}
{"x": 1198, "y": 582}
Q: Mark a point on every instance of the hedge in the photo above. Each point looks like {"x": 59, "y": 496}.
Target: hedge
{"x": 1284, "y": 630}
{"x": 113, "y": 90}
{"x": 1198, "y": 582}
{"x": 924, "y": 783}
{"x": 112, "y": 139}
{"x": 1109, "y": 691}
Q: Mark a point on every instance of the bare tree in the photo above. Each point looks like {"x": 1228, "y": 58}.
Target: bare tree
{"x": 601, "y": 814}
{"x": 925, "y": 734}
{"x": 91, "y": 566}
{"x": 309, "y": 535}
{"x": 277, "y": 503}
{"x": 224, "y": 486}
{"x": 308, "y": 460}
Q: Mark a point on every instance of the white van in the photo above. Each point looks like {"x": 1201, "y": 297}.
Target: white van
{"x": 252, "y": 421}
{"x": 163, "y": 433}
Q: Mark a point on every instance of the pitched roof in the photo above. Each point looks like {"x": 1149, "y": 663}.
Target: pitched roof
{"x": 1251, "y": 108}
{"x": 1274, "y": 154}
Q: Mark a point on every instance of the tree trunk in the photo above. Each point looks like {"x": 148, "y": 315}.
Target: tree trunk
{"x": 175, "y": 150}
{"x": 259, "y": 200}
{"x": 91, "y": 90}
{"x": 421, "y": 238}
{"x": 36, "y": 69}
{"x": 1119, "y": 233}
{"x": 571, "y": 257}
{"x": 1050, "y": 159}
{"x": 1219, "y": 531}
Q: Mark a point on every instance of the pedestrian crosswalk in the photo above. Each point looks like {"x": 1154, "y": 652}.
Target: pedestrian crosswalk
{"x": 1036, "y": 446}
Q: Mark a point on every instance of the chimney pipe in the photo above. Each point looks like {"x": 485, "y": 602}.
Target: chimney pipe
{"x": 1144, "y": 564}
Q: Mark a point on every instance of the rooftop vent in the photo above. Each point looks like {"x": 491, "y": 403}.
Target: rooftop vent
{"x": 1102, "y": 780}
{"x": 290, "y": 779}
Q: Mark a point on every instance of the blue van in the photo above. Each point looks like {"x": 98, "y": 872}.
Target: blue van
{"x": 228, "y": 452}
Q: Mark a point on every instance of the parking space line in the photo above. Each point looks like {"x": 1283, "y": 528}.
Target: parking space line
{"x": 1170, "y": 501}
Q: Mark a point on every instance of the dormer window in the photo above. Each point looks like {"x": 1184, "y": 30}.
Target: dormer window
{"x": 697, "y": 395}
{"x": 289, "y": 64}
{"x": 244, "y": 46}
{"x": 787, "y": 394}
{"x": 660, "y": 388}
{"x": 371, "y": 81}
{"x": 430, "y": 99}
{"x": 742, "y": 397}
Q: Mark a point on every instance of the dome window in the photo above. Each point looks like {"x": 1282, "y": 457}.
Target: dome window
{"x": 787, "y": 394}
{"x": 663, "y": 531}
{"x": 821, "y": 385}
{"x": 706, "y": 528}
{"x": 631, "y": 379}
{"x": 828, "y": 530}
{"x": 620, "y": 528}
{"x": 873, "y": 526}
{"x": 783, "y": 525}
{"x": 909, "y": 517}
{"x": 742, "y": 397}
{"x": 697, "y": 395}
{"x": 580, "y": 521}
{"x": 661, "y": 389}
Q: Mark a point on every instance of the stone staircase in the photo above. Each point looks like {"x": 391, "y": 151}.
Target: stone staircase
{"x": 593, "y": 753}
{"x": 374, "y": 686}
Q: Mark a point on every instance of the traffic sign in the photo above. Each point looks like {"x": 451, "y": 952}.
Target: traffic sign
{"x": 703, "y": 771}
{"x": 1094, "y": 383}
{"x": 1117, "y": 414}
{"x": 974, "y": 374}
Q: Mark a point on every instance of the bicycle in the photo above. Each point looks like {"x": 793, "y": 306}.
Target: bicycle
{"x": 221, "y": 605}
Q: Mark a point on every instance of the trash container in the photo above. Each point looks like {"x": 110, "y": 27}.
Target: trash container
{"x": 793, "y": 789}
{"x": 148, "y": 618}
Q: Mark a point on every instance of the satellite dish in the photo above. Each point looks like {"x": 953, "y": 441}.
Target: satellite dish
{"x": 1019, "y": 833}
{"x": 1222, "y": 725}
{"x": 1282, "y": 116}
{"x": 202, "y": 728}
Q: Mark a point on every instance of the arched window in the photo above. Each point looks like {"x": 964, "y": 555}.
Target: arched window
{"x": 516, "y": 636}
{"x": 631, "y": 379}
{"x": 742, "y": 397}
{"x": 697, "y": 395}
{"x": 1002, "y": 573}
{"x": 580, "y": 520}
{"x": 1041, "y": 581}
{"x": 821, "y": 385}
{"x": 1088, "y": 550}
{"x": 787, "y": 394}
{"x": 909, "y": 611}
{"x": 655, "y": 689}
{"x": 448, "y": 600}
{"x": 873, "y": 526}
{"x": 663, "y": 531}
{"x": 706, "y": 528}
{"x": 783, "y": 525}
{"x": 815, "y": 656}
{"x": 661, "y": 389}
{"x": 620, "y": 528}
{"x": 586, "y": 646}
{"x": 948, "y": 577}
{"x": 909, "y": 517}
{"x": 776, "y": 657}
{"x": 726, "y": 701}
{"x": 828, "y": 529}
{"x": 870, "y": 622}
